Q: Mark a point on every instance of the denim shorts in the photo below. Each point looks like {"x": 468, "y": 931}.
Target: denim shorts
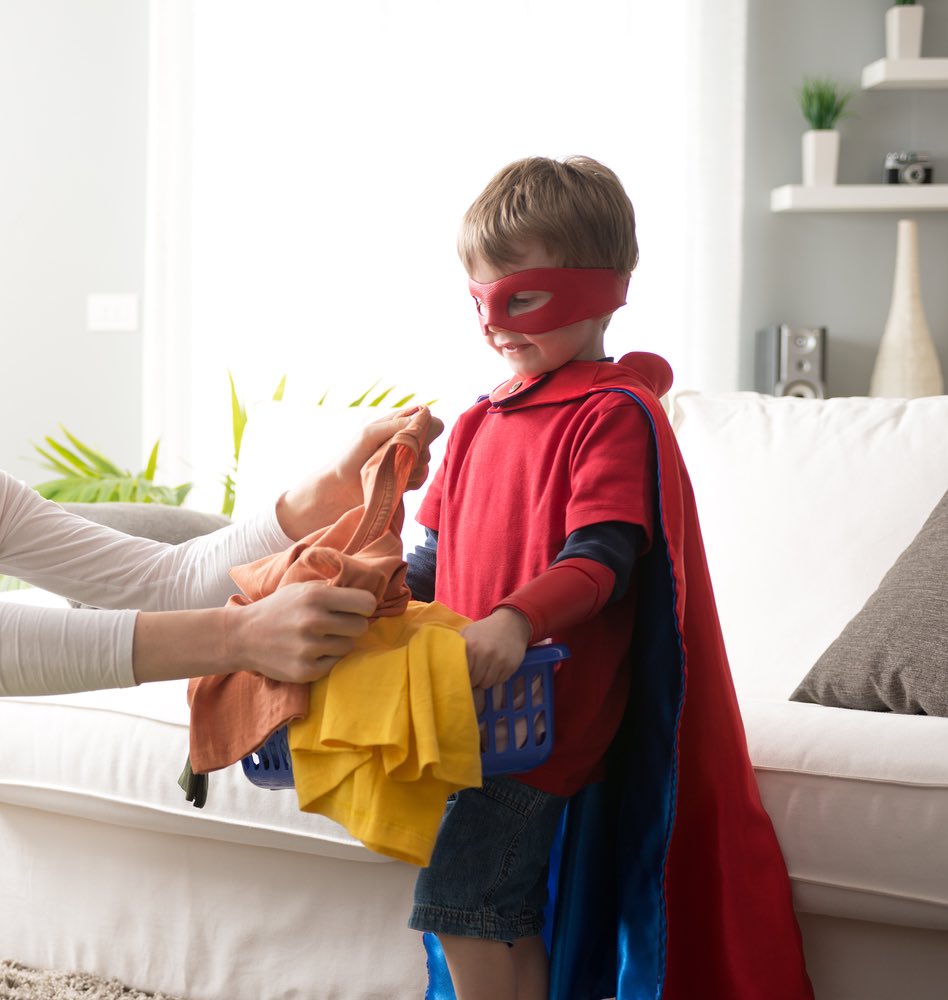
{"x": 488, "y": 872}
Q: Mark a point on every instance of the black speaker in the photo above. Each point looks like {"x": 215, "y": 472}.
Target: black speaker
{"x": 791, "y": 361}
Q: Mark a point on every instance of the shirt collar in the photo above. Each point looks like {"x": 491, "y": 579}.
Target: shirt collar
{"x": 640, "y": 370}
{"x": 571, "y": 380}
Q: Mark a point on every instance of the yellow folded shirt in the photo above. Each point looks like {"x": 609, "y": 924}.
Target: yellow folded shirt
{"x": 391, "y": 733}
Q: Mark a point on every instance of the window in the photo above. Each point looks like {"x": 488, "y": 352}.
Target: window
{"x": 333, "y": 148}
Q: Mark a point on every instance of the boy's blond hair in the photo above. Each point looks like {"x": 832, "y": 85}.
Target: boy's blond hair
{"x": 576, "y": 207}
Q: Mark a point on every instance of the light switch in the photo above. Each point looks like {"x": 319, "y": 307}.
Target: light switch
{"x": 112, "y": 313}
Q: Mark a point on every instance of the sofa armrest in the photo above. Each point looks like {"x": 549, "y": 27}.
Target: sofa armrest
{"x": 159, "y": 522}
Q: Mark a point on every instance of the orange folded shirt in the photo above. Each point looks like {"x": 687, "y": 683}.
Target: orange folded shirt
{"x": 234, "y": 714}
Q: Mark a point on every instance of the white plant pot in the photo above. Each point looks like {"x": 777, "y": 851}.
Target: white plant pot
{"x": 820, "y": 157}
{"x": 903, "y": 32}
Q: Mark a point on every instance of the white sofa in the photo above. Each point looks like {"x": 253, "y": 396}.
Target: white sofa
{"x": 804, "y": 505}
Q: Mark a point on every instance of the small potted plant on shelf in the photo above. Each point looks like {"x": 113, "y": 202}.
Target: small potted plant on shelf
{"x": 903, "y": 30}
{"x": 823, "y": 102}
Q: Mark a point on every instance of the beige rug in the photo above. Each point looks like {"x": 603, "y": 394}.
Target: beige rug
{"x": 19, "y": 982}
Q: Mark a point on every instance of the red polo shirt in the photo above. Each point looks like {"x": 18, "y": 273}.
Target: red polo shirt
{"x": 539, "y": 459}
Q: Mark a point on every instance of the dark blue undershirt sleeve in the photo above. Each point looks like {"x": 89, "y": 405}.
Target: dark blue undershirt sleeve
{"x": 615, "y": 544}
{"x": 422, "y": 564}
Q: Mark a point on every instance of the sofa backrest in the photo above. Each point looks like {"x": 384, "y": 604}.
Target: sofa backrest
{"x": 804, "y": 505}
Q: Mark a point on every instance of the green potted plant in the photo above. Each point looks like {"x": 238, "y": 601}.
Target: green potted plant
{"x": 903, "y": 30}
{"x": 87, "y": 476}
{"x": 823, "y": 102}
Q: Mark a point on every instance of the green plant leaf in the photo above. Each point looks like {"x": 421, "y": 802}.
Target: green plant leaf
{"x": 87, "y": 476}
{"x": 823, "y": 102}
{"x": 130, "y": 489}
{"x": 378, "y": 399}
{"x": 361, "y": 399}
{"x": 152, "y": 465}
{"x": 238, "y": 419}
{"x": 54, "y": 464}
{"x": 238, "y": 424}
{"x": 99, "y": 461}
{"x": 230, "y": 497}
{"x": 75, "y": 463}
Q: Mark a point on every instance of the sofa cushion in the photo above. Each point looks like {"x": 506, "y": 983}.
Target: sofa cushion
{"x": 893, "y": 656}
{"x": 859, "y": 802}
{"x": 114, "y": 756}
{"x": 804, "y": 504}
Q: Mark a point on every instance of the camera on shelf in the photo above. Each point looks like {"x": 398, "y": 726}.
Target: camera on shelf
{"x": 908, "y": 168}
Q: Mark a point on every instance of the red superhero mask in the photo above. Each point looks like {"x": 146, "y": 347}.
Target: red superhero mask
{"x": 577, "y": 293}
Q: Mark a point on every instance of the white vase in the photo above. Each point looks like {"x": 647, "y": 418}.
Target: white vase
{"x": 903, "y": 32}
{"x": 820, "y": 157}
{"x": 907, "y": 364}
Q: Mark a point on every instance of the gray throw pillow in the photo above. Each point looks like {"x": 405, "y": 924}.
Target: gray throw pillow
{"x": 893, "y": 656}
{"x": 157, "y": 521}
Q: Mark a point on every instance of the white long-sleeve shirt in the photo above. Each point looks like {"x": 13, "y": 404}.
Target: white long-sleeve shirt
{"x": 58, "y": 650}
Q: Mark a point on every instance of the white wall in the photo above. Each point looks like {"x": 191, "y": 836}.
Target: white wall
{"x": 72, "y": 208}
{"x": 835, "y": 270}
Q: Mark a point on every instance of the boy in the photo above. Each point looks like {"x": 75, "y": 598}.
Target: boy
{"x": 540, "y": 524}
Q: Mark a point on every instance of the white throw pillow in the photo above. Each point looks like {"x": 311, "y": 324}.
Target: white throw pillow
{"x": 804, "y": 505}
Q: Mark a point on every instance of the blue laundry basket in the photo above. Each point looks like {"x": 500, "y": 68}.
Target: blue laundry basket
{"x": 523, "y": 712}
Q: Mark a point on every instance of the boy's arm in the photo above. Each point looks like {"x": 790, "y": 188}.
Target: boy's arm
{"x": 422, "y": 566}
{"x": 593, "y": 568}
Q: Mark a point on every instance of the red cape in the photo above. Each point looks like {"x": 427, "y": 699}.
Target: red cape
{"x": 672, "y": 883}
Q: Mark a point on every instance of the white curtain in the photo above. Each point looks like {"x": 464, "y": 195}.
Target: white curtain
{"x": 331, "y": 150}
{"x": 167, "y": 374}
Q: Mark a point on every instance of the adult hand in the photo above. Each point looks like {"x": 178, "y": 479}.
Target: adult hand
{"x": 299, "y": 632}
{"x": 495, "y": 646}
{"x": 323, "y": 497}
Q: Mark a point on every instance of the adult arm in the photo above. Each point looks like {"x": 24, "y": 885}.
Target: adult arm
{"x": 296, "y": 634}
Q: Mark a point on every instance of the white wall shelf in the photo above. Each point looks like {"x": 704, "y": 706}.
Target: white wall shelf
{"x": 906, "y": 74}
{"x": 883, "y": 74}
{"x": 860, "y": 198}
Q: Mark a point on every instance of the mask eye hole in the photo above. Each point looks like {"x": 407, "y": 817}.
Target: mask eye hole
{"x": 526, "y": 302}
{"x": 481, "y": 307}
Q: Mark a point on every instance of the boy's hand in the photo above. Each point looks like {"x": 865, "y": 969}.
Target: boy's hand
{"x": 495, "y": 646}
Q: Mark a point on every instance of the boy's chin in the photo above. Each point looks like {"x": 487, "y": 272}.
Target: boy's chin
{"x": 526, "y": 367}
